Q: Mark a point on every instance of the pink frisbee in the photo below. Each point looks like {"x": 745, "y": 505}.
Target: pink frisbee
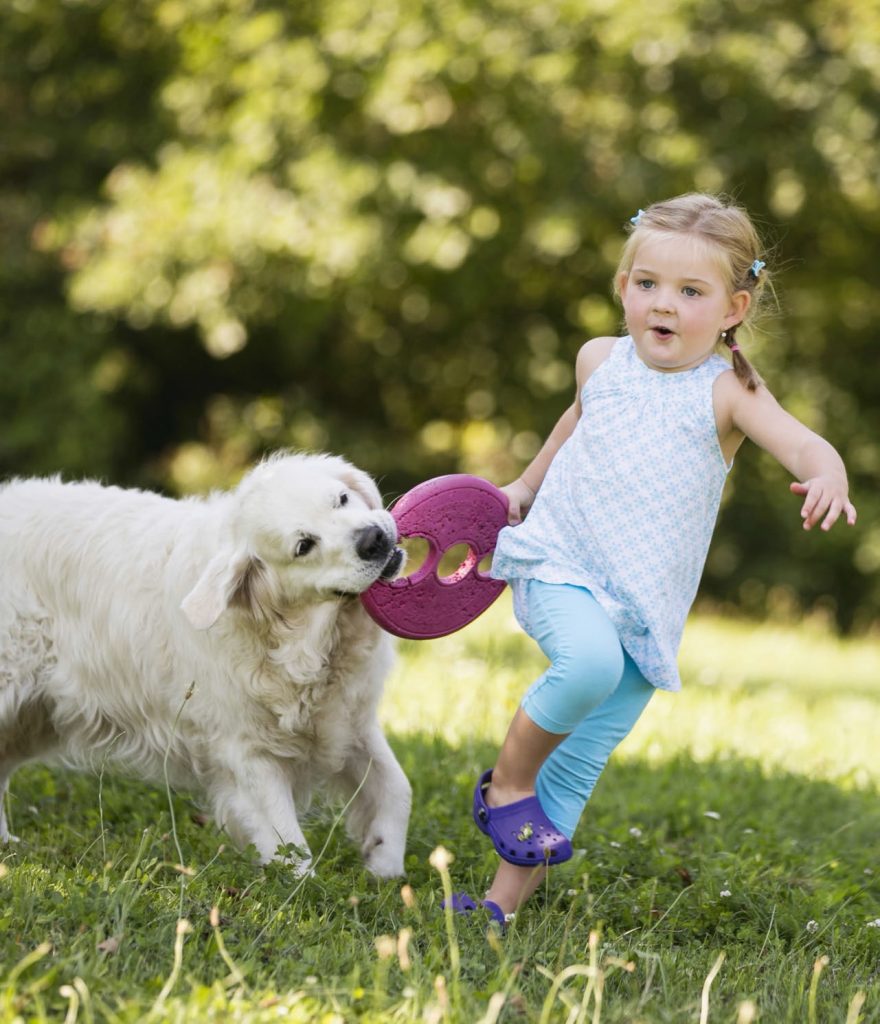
{"x": 445, "y": 511}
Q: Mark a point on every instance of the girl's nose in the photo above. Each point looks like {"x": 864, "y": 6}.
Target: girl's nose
{"x": 662, "y": 302}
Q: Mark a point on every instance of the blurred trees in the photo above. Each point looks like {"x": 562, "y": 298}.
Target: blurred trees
{"x": 385, "y": 229}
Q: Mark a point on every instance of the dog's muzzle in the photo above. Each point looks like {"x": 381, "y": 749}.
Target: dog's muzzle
{"x": 373, "y": 544}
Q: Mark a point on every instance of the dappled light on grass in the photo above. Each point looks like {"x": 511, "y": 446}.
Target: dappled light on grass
{"x": 674, "y": 864}
{"x": 468, "y": 684}
{"x": 711, "y": 880}
{"x": 791, "y": 698}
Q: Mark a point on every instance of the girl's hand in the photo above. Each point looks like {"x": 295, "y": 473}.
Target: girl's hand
{"x": 519, "y": 500}
{"x": 824, "y": 496}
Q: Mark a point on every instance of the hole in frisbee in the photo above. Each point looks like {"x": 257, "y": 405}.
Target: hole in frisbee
{"x": 417, "y": 550}
{"x": 456, "y": 563}
{"x": 485, "y": 566}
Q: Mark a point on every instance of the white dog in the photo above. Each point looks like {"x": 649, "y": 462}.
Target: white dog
{"x": 115, "y": 604}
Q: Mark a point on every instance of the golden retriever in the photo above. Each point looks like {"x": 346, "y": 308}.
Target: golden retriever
{"x": 116, "y": 604}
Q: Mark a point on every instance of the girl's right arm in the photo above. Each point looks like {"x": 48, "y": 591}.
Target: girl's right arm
{"x": 521, "y": 492}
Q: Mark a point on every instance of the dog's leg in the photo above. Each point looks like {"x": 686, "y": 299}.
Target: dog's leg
{"x": 379, "y": 814}
{"x": 255, "y": 805}
{"x": 27, "y": 735}
{"x": 5, "y": 775}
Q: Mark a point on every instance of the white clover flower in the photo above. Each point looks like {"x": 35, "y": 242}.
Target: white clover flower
{"x": 714, "y": 815}
{"x": 636, "y": 833}
{"x": 616, "y": 845}
{"x": 875, "y": 923}
{"x": 812, "y": 926}
{"x": 725, "y": 892}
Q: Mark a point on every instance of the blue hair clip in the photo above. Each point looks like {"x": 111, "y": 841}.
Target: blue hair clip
{"x": 636, "y": 220}
{"x": 756, "y": 268}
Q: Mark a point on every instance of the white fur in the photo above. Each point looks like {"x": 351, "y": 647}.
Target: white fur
{"x": 114, "y": 603}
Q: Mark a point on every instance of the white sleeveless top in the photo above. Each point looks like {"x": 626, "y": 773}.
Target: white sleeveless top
{"x": 629, "y": 503}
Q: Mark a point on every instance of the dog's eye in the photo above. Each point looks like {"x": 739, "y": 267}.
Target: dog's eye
{"x": 304, "y": 546}
{"x": 343, "y": 499}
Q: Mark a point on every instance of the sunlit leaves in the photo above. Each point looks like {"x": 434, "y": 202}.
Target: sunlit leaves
{"x": 397, "y": 221}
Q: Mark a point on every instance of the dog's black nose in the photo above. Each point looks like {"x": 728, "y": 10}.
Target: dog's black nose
{"x": 373, "y": 544}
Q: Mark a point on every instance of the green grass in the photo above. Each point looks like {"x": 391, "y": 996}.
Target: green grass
{"x": 726, "y": 869}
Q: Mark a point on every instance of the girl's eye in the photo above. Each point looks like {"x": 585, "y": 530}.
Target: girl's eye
{"x": 304, "y": 546}
{"x": 690, "y": 292}
{"x": 645, "y": 285}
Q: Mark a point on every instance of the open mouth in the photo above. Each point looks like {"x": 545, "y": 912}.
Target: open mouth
{"x": 662, "y": 332}
{"x": 392, "y": 566}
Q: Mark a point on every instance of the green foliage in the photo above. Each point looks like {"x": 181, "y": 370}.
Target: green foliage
{"x": 687, "y": 851}
{"x": 385, "y": 229}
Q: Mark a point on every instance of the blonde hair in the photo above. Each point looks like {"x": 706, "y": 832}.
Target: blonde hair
{"x": 734, "y": 241}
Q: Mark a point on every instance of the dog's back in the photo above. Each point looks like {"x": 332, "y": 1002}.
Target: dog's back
{"x": 87, "y": 643}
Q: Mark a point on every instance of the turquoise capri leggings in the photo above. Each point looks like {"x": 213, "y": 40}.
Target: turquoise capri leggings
{"x": 592, "y": 692}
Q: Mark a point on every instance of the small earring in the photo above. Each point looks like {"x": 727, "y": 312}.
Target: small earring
{"x": 724, "y": 335}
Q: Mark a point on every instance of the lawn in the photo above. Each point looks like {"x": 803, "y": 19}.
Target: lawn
{"x": 726, "y": 869}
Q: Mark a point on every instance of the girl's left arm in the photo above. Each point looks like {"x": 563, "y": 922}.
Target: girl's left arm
{"x": 819, "y": 469}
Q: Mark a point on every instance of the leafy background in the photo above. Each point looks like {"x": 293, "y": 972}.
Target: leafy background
{"x": 385, "y": 229}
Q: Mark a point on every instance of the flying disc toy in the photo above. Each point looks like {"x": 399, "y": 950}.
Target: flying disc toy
{"x": 445, "y": 511}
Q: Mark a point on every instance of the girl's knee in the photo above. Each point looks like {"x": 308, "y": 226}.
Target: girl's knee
{"x": 593, "y": 665}
{"x": 581, "y": 677}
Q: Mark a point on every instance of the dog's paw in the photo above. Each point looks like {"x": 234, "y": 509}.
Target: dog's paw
{"x": 382, "y": 859}
{"x": 295, "y": 856}
{"x": 302, "y": 868}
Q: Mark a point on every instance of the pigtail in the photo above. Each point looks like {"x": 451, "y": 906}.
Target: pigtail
{"x": 746, "y": 374}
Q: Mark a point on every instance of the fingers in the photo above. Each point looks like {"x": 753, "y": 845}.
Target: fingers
{"x": 833, "y": 515}
{"x": 837, "y": 506}
{"x": 514, "y": 510}
{"x": 823, "y": 503}
{"x": 813, "y": 508}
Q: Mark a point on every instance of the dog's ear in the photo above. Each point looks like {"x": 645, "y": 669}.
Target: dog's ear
{"x": 362, "y": 483}
{"x": 223, "y": 578}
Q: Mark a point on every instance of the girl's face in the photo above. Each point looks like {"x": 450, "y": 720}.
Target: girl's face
{"x": 676, "y": 302}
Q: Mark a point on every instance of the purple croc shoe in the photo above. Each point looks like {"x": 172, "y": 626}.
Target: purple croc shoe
{"x": 521, "y": 832}
{"x": 461, "y": 903}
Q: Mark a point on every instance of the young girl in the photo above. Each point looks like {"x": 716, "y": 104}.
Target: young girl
{"x": 621, "y": 502}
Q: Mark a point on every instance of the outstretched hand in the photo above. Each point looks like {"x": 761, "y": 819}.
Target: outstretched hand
{"x": 824, "y": 496}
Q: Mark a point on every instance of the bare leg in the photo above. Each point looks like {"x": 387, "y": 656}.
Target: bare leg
{"x": 524, "y": 750}
{"x": 594, "y": 688}
{"x": 571, "y": 772}
{"x": 512, "y": 885}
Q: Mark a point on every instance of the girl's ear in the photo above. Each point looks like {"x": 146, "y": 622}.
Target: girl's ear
{"x": 622, "y": 278}
{"x": 739, "y": 305}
